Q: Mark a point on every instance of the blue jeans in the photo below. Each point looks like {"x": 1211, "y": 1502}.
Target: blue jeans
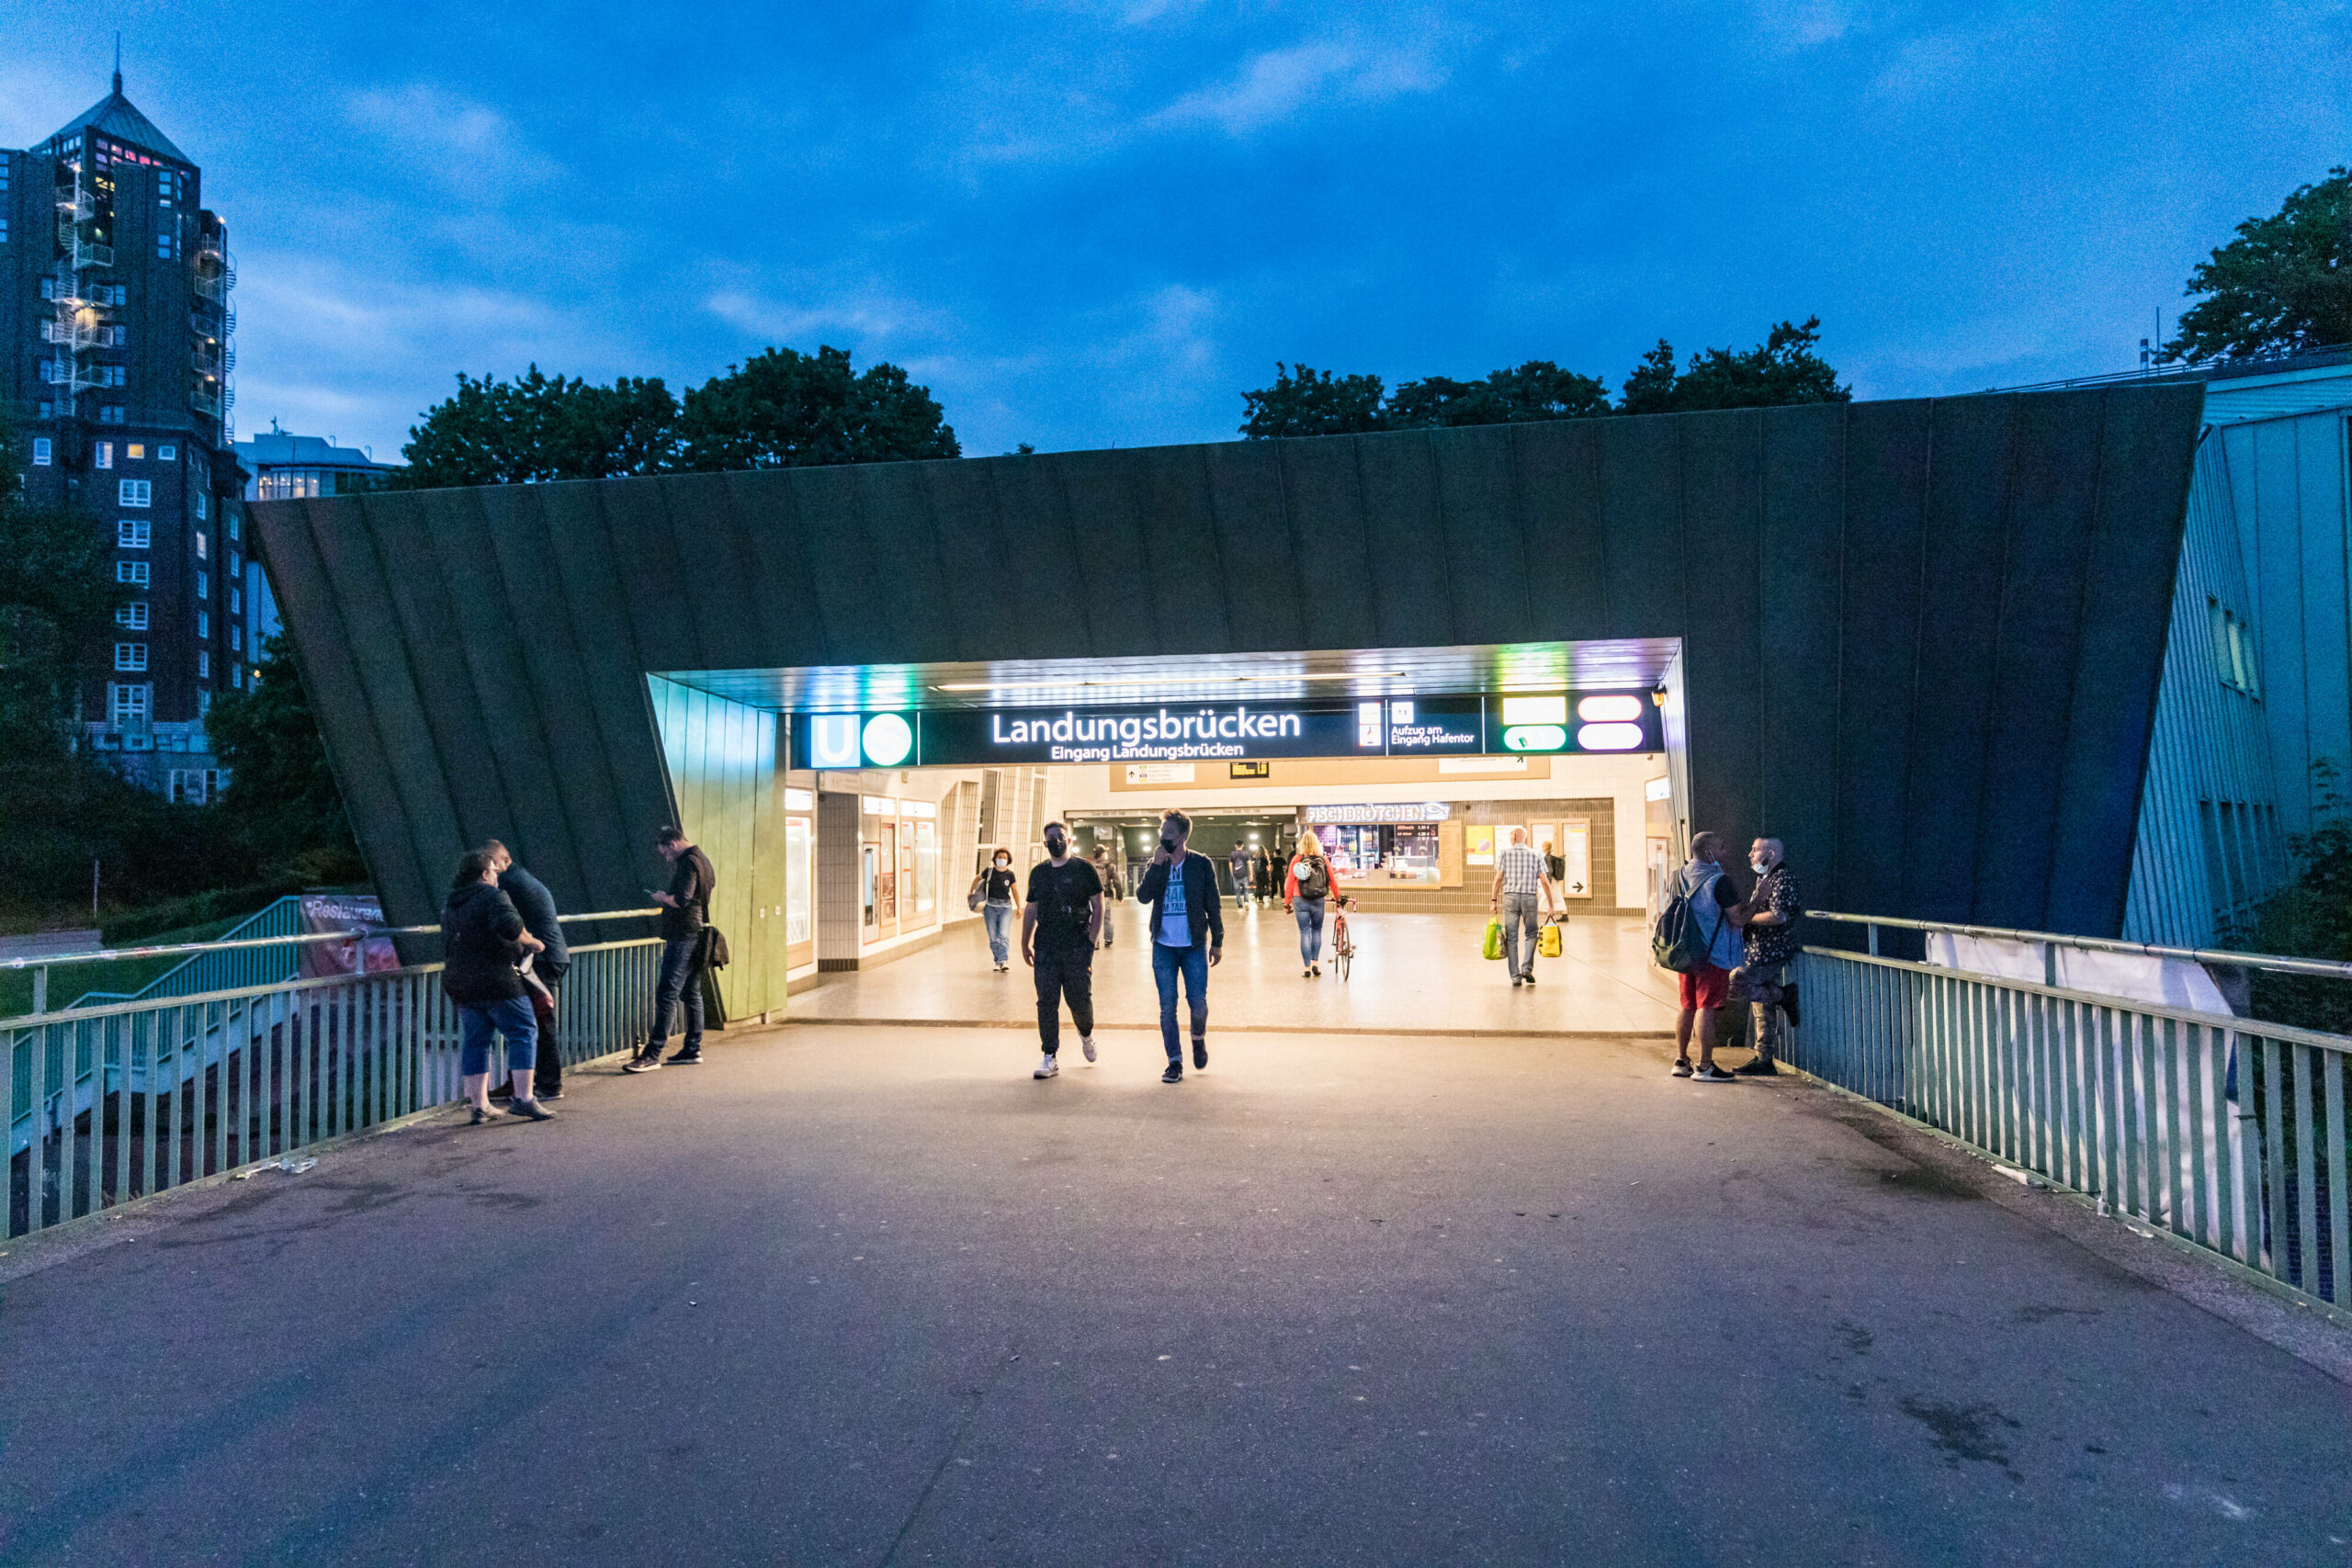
{"x": 999, "y": 918}
{"x": 1193, "y": 963}
{"x": 1310, "y": 929}
{"x": 514, "y": 1019}
{"x": 680, "y": 990}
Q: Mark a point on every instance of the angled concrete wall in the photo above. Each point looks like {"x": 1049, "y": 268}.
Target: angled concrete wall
{"x": 1922, "y": 639}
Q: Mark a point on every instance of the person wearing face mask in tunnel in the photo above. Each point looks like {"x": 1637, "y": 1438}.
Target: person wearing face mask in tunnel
{"x": 1769, "y": 940}
{"x": 1058, "y": 927}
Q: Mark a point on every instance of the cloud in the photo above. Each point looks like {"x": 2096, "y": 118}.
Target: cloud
{"x": 1274, "y": 85}
{"x": 471, "y": 147}
{"x": 1798, "y": 25}
{"x": 876, "y": 316}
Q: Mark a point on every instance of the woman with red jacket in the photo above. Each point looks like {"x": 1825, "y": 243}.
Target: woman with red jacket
{"x": 1304, "y": 891}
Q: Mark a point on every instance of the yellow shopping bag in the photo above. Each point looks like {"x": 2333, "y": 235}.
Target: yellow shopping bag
{"x": 1547, "y": 941}
{"x": 1494, "y": 939}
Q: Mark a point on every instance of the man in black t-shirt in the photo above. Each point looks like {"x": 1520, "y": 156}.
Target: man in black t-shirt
{"x": 1058, "y": 926}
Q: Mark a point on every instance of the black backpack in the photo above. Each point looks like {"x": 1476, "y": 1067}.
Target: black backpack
{"x": 1675, "y": 943}
{"x": 1314, "y": 878}
{"x": 1062, "y": 912}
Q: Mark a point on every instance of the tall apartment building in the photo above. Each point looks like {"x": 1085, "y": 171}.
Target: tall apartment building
{"x": 115, "y": 361}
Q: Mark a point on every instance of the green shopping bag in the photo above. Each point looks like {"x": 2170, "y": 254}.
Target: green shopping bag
{"x": 1494, "y": 939}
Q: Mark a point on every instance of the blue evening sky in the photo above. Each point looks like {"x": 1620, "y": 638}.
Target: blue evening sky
{"x": 1095, "y": 224}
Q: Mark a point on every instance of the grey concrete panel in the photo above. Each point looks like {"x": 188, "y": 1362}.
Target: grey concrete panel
{"x": 656, "y": 581}
{"x": 1109, "y": 565}
{"x": 1886, "y": 483}
{"x": 1185, "y": 549}
{"x": 719, "y": 563}
{"x": 1266, "y": 581}
{"x": 1959, "y": 631}
{"x": 1800, "y": 573}
{"x": 2055, "y": 484}
{"x": 1559, "y": 507}
{"x": 1478, "y": 521}
{"x": 1641, "y": 509}
{"x": 1412, "y": 574}
{"x": 1032, "y": 531}
{"x": 901, "y": 540}
{"x": 1721, "y": 527}
{"x": 962, "y": 499}
{"x": 1325, "y": 500}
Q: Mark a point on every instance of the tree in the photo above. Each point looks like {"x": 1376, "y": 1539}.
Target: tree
{"x": 56, "y": 594}
{"x": 537, "y": 428}
{"x": 282, "y": 800}
{"x": 1537, "y": 389}
{"x": 1781, "y": 370}
{"x": 786, "y": 409}
{"x": 2283, "y": 286}
{"x": 1312, "y": 403}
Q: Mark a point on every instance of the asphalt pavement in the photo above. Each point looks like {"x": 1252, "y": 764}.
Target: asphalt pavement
{"x": 871, "y": 1295}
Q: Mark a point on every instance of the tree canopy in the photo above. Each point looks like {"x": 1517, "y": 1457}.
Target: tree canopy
{"x": 282, "y": 800}
{"x": 2283, "y": 286}
{"x": 1784, "y": 368}
{"x": 781, "y": 409}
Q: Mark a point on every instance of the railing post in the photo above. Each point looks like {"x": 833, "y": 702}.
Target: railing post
{"x": 1873, "y": 929}
{"x": 41, "y": 989}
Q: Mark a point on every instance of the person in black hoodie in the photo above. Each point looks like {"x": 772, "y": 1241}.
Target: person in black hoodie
{"x": 685, "y": 911}
{"x": 548, "y": 967}
{"x": 482, "y": 941}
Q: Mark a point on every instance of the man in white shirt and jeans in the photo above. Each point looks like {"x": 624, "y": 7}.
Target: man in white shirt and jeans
{"x": 1522, "y": 886}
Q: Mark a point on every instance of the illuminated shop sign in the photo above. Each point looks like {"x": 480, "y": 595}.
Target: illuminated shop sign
{"x": 1383, "y": 811}
{"x": 1229, "y": 732}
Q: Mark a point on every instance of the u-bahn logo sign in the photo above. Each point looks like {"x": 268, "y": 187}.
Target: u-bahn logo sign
{"x": 1240, "y": 731}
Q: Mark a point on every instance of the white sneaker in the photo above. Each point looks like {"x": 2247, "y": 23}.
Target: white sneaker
{"x": 1086, "y": 1043}
{"x": 1047, "y": 1068}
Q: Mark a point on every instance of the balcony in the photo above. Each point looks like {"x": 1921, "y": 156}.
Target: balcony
{"x": 81, "y": 253}
{"x": 213, "y": 289}
{"x": 73, "y": 332}
{"x": 68, "y": 374}
{"x": 206, "y": 403}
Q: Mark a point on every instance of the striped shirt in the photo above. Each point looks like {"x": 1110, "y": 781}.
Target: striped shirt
{"x": 1521, "y": 866}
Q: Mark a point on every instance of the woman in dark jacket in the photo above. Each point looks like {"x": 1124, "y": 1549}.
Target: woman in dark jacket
{"x": 482, "y": 941}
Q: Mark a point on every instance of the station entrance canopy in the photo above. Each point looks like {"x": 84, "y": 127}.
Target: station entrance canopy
{"x": 1920, "y": 641}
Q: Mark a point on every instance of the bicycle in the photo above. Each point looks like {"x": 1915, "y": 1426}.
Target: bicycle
{"x": 1343, "y": 944}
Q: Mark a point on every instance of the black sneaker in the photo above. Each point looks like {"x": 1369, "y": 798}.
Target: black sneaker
{"x": 1514, "y": 982}
{"x": 1531, "y": 977}
{"x": 1761, "y": 1067}
{"x": 686, "y": 1058}
{"x": 1713, "y": 1074}
{"x": 1200, "y": 1052}
{"x": 481, "y": 1117}
{"x": 1682, "y": 1069}
{"x": 553, "y": 1091}
{"x": 643, "y": 1062}
{"x": 532, "y": 1109}
{"x": 1175, "y": 1073}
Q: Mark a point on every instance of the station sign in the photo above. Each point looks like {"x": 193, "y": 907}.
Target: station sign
{"x": 1441, "y": 726}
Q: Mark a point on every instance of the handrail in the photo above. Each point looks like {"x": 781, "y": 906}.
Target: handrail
{"x": 111, "y": 954}
{"x": 2274, "y": 963}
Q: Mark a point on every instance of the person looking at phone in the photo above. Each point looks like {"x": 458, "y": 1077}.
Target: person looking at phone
{"x": 685, "y": 910}
{"x": 1187, "y": 936}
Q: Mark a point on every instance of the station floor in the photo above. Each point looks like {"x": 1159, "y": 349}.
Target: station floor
{"x": 1413, "y": 974}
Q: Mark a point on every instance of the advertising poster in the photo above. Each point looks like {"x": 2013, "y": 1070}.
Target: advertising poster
{"x": 1479, "y": 843}
{"x": 338, "y": 912}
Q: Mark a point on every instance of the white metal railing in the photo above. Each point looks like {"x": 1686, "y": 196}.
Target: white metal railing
{"x": 2227, "y": 1133}
{"x": 118, "y": 1102}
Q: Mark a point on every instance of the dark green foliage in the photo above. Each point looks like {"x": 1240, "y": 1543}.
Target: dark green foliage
{"x": 535, "y": 428}
{"x": 1537, "y": 389}
{"x": 781, "y": 409}
{"x": 786, "y": 409}
{"x": 1781, "y": 370}
{"x": 1784, "y": 368}
{"x": 2283, "y": 286}
{"x": 282, "y": 802}
{"x": 2310, "y": 917}
{"x": 1313, "y": 402}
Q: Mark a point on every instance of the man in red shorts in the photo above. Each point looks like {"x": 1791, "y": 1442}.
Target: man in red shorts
{"x": 1716, "y": 909}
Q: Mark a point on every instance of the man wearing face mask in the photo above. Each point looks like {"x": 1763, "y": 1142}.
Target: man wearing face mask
{"x": 1187, "y": 937}
{"x": 1058, "y": 926}
{"x": 1769, "y": 941}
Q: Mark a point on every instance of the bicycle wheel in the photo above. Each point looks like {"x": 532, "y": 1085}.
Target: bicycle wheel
{"x": 1343, "y": 949}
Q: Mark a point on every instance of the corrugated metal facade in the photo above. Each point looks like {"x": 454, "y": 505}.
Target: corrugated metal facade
{"x": 1922, "y": 640}
{"x": 2288, "y": 490}
{"x": 2209, "y": 842}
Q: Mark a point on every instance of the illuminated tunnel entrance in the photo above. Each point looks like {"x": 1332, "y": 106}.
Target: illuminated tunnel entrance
{"x": 1920, "y": 641}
